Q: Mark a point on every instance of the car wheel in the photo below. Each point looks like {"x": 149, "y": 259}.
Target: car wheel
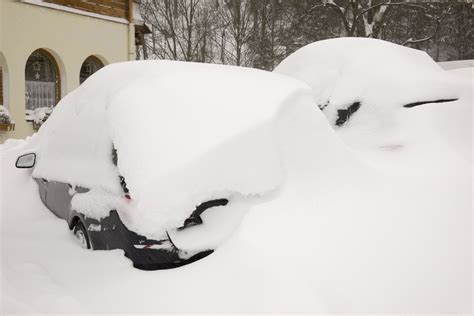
{"x": 80, "y": 233}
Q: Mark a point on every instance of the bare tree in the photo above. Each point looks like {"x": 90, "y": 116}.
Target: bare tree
{"x": 236, "y": 23}
{"x": 260, "y": 33}
{"x": 369, "y": 18}
{"x": 437, "y": 19}
{"x": 180, "y": 28}
{"x": 267, "y": 42}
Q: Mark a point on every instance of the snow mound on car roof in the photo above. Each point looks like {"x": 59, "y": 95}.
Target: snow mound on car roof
{"x": 379, "y": 75}
{"x": 184, "y": 133}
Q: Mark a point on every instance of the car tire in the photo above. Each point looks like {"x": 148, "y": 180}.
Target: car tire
{"x": 81, "y": 235}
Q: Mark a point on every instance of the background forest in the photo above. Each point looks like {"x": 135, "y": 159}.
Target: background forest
{"x": 260, "y": 33}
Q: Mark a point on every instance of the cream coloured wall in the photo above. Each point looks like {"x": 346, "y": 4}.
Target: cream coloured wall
{"x": 69, "y": 37}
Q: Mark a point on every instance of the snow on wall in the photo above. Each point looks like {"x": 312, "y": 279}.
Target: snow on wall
{"x": 184, "y": 133}
{"x": 457, "y": 64}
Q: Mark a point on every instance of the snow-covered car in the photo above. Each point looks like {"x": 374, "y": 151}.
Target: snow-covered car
{"x": 137, "y": 164}
{"x": 109, "y": 232}
{"x": 340, "y": 72}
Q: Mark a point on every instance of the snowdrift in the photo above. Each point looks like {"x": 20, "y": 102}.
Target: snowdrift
{"x": 184, "y": 133}
{"x": 336, "y": 235}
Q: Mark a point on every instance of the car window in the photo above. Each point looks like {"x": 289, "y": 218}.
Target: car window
{"x": 123, "y": 184}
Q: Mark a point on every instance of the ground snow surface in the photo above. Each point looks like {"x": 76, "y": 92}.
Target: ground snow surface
{"x": 351, "y": 229}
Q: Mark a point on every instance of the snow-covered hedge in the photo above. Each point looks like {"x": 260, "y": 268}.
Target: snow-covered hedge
{"x": 457, "y": 64}
{"x": 5, "y": 117}
{"x": 38, "y": 115}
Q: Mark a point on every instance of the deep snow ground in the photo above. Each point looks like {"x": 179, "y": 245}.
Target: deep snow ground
{"x": 350, "y": 231}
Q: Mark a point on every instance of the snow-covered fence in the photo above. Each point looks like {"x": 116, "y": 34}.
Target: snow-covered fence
{"x": 456, "y": 64}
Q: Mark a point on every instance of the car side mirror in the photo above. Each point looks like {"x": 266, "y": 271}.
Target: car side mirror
{"x": 26, "y": 161}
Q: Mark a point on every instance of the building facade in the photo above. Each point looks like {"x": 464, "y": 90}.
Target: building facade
{"x": 49, "y": 47}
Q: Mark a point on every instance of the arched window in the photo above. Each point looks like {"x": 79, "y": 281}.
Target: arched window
{"x": 1, "y": 86}
{"x": 6, "y": 122}
{"x": 89, "y": 66}
{"x": 42, "y": 81}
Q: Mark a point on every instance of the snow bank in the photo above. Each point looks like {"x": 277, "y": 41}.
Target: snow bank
{"x": 184, "y": 133}
{"x": 5, "y": 117}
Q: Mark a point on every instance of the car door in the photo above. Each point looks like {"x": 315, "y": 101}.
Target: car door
{"x": 58, "y": 198}
{"x": 42, "y": 188}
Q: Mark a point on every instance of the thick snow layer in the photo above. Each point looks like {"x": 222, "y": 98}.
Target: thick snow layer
{"x": 218, "y": 224}
{"x": 97, "y": 203}
{"x": 185, "y": 133}
{"x": 338, "y": 236}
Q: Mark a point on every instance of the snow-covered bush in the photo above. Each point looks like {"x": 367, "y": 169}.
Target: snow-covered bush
{"x": 39, "y": 115}
{"x": 5, "y": 117}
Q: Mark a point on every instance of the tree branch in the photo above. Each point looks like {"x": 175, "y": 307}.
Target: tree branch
{"x": 438, "y": 21}
{"x": 406, "y": 4}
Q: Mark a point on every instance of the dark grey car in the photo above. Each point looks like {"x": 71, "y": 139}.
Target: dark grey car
{"x": 109, "y": 232}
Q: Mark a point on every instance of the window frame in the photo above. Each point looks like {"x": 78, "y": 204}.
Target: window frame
{"x": 57, "y": 74}
{"x": 95, "y": 60}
